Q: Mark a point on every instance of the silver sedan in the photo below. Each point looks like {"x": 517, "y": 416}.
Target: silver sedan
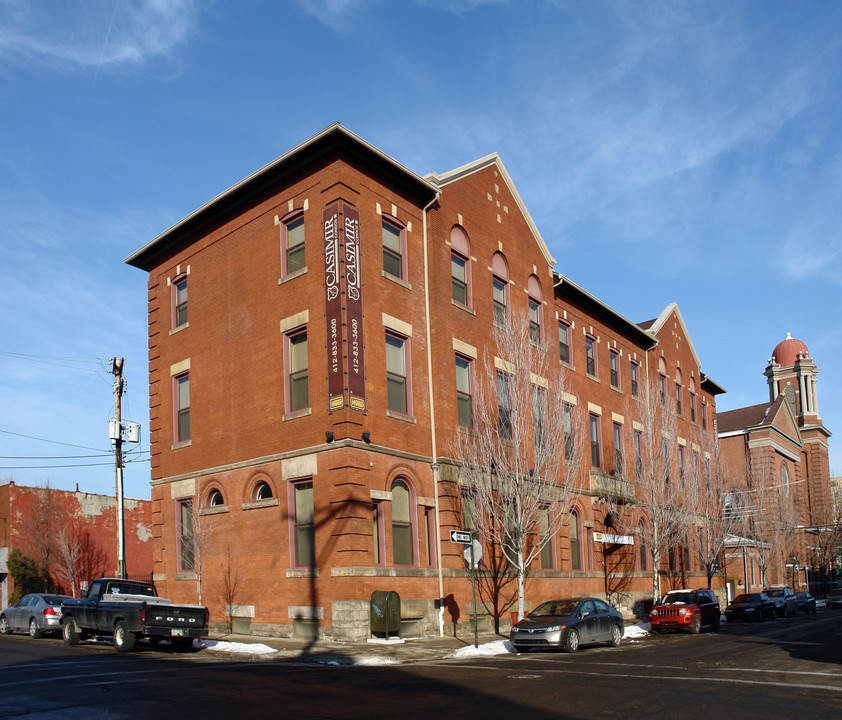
{"x": 36, "y": 613}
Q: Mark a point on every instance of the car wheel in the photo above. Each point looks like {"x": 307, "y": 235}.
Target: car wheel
{"x": 34, "y": 631}
{"x": 696, "y": 625}
{"x": 124, "y": 641}
{"x": 616, "y": 635}
{"x": 69, "y": 634}
{"x": 4, "y": 626}
{"x": 571, "y": 644}
{"x": 716, "y": 623}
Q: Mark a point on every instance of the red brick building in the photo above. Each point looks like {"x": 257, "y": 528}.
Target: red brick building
{"x": 312, "y": 331}
{"x": 88, "y": 521}
{"x": 777, "y": 453}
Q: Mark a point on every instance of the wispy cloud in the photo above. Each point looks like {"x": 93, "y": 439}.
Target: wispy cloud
{"x": 93, "y": 33}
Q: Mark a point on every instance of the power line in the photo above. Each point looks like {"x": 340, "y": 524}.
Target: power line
{"x": 54, "y": 442}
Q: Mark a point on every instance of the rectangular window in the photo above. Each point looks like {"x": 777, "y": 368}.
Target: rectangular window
{"x": 459, "y": 277}
{"x": 396, "y": 373}
{"x": 377, "y": 533}
{"x": 469, "y": 511}
{"x": 590, "y": 356}
{"x": 186, "y": 555}
{"x": 564, "y": 342}
{"x": 547, "y": 559}
{"x": 534, "y": 321}
{"x": 618, "y": 448}
{"x": 679, "y": 406}
{"x": 662, "y": 387}
{"x": 575, "y": 544}
{"x": 298, "y": 384}
{"x": 704, "y": 415}
{"x": 567, "y": 421}
{"x": 393, "y": 250}
{"x": 182, "y": 407}
{"x": 294, "y": 245}
{"x": 637, "y": 439}
{"x": 635, "y": 379}
{"x": 304, "y": 530}
{"x": 539, "y": 414}
{"x": 179, "y": 290}
{"x": 464, "y": 394}
{"x": 402, "y": 511}
{"x": 681, "y": 464}
{"x": 500, "y": 305}
{"x": 504, "y": 409}
{"x": 614, "y": 363}
{"x": 596, "y": 454}
{"x": 692, "y": 407}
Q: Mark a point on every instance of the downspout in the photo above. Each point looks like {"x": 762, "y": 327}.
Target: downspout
{"x": 433, "y": 447}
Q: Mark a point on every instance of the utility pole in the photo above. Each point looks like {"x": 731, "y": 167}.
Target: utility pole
{"x": 117, "y": 371}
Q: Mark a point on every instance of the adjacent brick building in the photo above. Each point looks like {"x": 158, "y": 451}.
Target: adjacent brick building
{"x": 88, "y": 521}
{"x": 312, "y": 333}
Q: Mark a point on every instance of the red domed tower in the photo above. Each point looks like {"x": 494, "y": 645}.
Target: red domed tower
{"x": 791, "y": 371}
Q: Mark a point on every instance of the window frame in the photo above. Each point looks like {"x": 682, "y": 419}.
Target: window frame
{"x": 565, "y": 348}
{"x": 594, "y": 423}
{"x": 504, "y": 425}
{"x": 548, "y": 559}
{"x": 177, "y": 307}
{"x": 495, "y": 305}
{"x": 465, "y": 282}
{"x": 614, "y": 368}
{"x": 634, "y": 376}
{"x": 619, "y": 455}
{"x": 574, "y": 523}
{"x": 461, "y": 395}
{"x": 296, "y": 217}
{"x": 289, "y": 374}
{"x": 180, "y": 412}
{"x": 182, "y": 505}
{"x": 536, "y": 325}
{"x": 411, "y": 524}
{"x": 591, "y": 366}
{"x": 308, "y": 526}
{"x": 405, "y": 341}
{"x": 388, "y": 221}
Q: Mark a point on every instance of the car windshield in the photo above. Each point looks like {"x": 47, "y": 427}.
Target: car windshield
{"x": 835, "y": 593}
{"x": 54, "y": 599}
{"x": 775, "y": 593}
{"x": 555, "y": 608}
{"x": 679, "y": 597}
{"x": 750, "y": 597}
{"x": 131, "y": 589}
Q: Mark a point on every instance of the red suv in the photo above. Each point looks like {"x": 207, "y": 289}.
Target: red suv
{"x": 685, "y": 610}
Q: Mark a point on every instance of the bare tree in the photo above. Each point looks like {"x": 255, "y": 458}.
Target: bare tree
{"x": 657, "y": 512}
{"x": 230, "y": 586}
{"x": 710, "y": 494}
{"x": 69, "y": 544}
{"x": 202, "y": 540}
{"x": 520, "y": 462}
{"x": 39, "y": 524}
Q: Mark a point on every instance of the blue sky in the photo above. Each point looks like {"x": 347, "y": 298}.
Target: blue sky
{"x": 667, "y": 151}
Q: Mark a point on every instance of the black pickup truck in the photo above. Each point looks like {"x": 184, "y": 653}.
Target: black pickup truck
{"x": 128, "y": 610}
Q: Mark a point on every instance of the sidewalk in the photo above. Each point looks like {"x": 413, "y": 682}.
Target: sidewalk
{"x": 330, "y": 652}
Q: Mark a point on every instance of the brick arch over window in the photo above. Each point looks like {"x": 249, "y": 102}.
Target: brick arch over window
{"x": 212, "y": 495}
{"x": 257, "y": 485}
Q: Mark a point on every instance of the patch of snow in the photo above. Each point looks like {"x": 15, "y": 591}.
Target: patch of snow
{"x": 498, "y": 647}
{"x": 377, "y": 661}
{"x": 223, "y": 646}
{"x": 637, "y": 631}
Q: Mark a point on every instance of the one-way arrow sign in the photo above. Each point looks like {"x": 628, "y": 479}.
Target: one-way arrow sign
{"x": 460, "y": 536}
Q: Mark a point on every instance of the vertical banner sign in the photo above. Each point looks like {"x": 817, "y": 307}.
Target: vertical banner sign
{"x": 354, "y": 309}
{"x": 333, "y": 310}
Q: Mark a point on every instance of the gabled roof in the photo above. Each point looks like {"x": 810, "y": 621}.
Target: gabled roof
{"x": 654, "y": 327}
{"x": 742, "y": 418}
{"x": 759, "y": 417}
{"x": 334, "y": 139}
{"x": 481, "y": 164}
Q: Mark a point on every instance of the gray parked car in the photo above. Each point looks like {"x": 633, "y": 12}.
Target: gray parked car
{"x": 36, "y": 613}
{"x": 784, "y": 599}
{"x": 567, "y": 624}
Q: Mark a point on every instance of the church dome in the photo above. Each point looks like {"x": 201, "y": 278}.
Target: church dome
{"x": 786, "y": 352}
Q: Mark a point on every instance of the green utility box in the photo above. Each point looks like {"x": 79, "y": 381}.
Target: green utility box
{"x": 385, "y": 613}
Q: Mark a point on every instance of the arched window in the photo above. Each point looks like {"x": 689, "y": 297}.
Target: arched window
{"x": 402, "y": 524}
{"x": 662, "y": 380}
{"x": 784, "y": 478}
{"x": 692, "y": 399}
{"x": 460, "y": 266}
{"x": 500, "y": 282}
{"x": 262, "y": 491}
{"x": 679, "y": 394}
{"x": 575, "y": 541}
{"x": 215, "y": 499}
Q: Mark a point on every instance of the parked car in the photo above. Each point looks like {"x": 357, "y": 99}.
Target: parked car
{"x": 784, "y": 599}
{"x": 568, "y": 624}
{"x": 36, "y": 613}
{"x": 806, "y": 602}
{"x": 834, "y": 598}
{"x": 750, "y": 606}
{"x": 686, "y": 610}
